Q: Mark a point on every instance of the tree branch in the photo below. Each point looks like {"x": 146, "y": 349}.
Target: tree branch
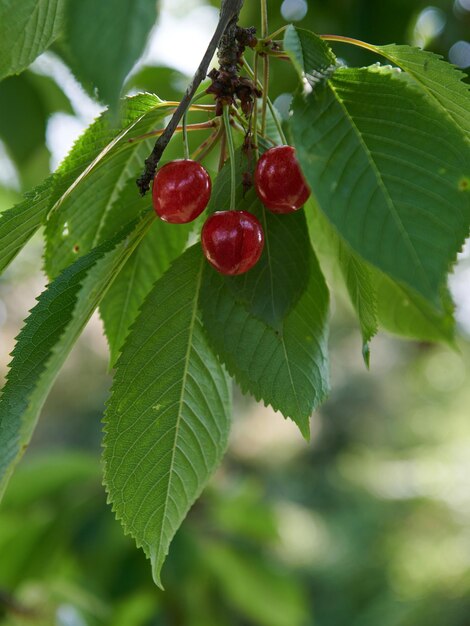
{"x": 229, "y": 13}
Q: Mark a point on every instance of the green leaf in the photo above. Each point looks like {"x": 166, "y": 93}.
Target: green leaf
{"x": 19, "y": 223}
{"x": 101, "y": 140}
{"x": 285, "y": 367}
{"x": 28, "y": 28}
{"x": 168, "y": 417}
{"x": 82, "y": 217}
{"x": 274, "y": 285}
{"x": 377, "y": 299}
{"x": 104, "y": 41}
{"x": 48, "y": 336}
{"x": 312, "y": 57}
{"x": 442, "y": 82}
{"x": 388, "y": 171}
{"x": 355, "y": 273}
{"x": 405, "y": 313}
{"x": 162, "y": 244}
{"x": 26, "y": 102}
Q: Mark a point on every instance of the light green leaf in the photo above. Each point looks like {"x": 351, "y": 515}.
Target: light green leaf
{"x": 168, "y": 417}
{"x": 19, "y": 223}
{"x": 104, "y": 41}
{"x": 388, "y": 171}
{"x": 101, "y": 140}
{"x": 442, "y": 82}
{"x": 405, "y": 313}
{"x": 48, "y": 336}
{"x": 355, "y": 273}
{"x": 80, "y": 219}
{"x": 162, "y": 244}
{"x": 286, "y": 367}
{"x": 28, "y": 28}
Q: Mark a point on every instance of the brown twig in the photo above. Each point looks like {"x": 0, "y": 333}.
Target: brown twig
{"x": 229, "y": 13}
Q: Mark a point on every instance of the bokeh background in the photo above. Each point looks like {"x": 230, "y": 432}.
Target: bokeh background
{"x": 367, "y": 525}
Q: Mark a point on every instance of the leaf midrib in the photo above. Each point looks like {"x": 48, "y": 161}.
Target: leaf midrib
{"x": 180, "y": 404}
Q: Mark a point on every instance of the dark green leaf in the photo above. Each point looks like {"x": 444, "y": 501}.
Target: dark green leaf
{"x": 439, "y": 80}
{"x": 28, "y": 28}
{"x": 388, "y": 171}
{"x": 285, "y": 367}
{"x": 104, "y": 41}
{"x": 273, "y": 286}
{"x": 168, "y": 418}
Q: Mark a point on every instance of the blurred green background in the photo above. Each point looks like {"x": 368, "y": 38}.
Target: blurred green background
{"x": 368, "y": 525}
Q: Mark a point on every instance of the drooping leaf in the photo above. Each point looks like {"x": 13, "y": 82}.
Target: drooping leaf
{"x": 273, "y": 286}
{"x": 50, "y": 331}
{"x": 162, "y": 244}
{"x": 82, "y": 210}
{"x": 440, "y": 81}
{"x": 285, "y": 367}
{"x": 28, "y": 28}
{"x": 377, "y": 299}
{"x": 168, "y": 417}
{"x": 405, "y": 313}
{"x": 388, "y": 171}
{"x": 104, "y": 41}
{"x": 355, "y": 273}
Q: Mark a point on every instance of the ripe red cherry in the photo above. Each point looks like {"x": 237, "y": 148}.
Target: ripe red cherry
{"x": 181, "y": 191}
{"x": 279, "y": 181}
{"x": 232, "y": 241}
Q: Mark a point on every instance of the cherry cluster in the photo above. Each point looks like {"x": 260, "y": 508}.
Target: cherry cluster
{"x": 232, "y": 241}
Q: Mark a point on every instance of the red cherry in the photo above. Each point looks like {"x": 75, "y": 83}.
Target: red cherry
{"x": 181, "y": 191}
{"x": 279, "y": 181}
{"x": 232, "y": 241}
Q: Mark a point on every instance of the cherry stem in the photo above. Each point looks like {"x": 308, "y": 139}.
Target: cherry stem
{"x": 264, "y": 19}
{"x": 178, "y": 129}
{"x": 277, "y": 32}
{"x": 223, "y": 149}
{"x": 229, "y": 13}
{"x": 349, "y": 40}
{"x": 273, "y": 111}
{"x": 208, "y": 145}
{"x": 185, "y": 136}
{"x": 254, "y": 76}
{"x": 185, "y": 124}
{"x": 231, "y": 151}
{"x": 264, "y": 106}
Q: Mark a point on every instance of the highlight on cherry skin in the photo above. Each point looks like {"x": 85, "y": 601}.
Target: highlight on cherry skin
{"x": 181, "y": 191}
{"x": 279, "y": 181}
{"x": 232, "y": 241}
